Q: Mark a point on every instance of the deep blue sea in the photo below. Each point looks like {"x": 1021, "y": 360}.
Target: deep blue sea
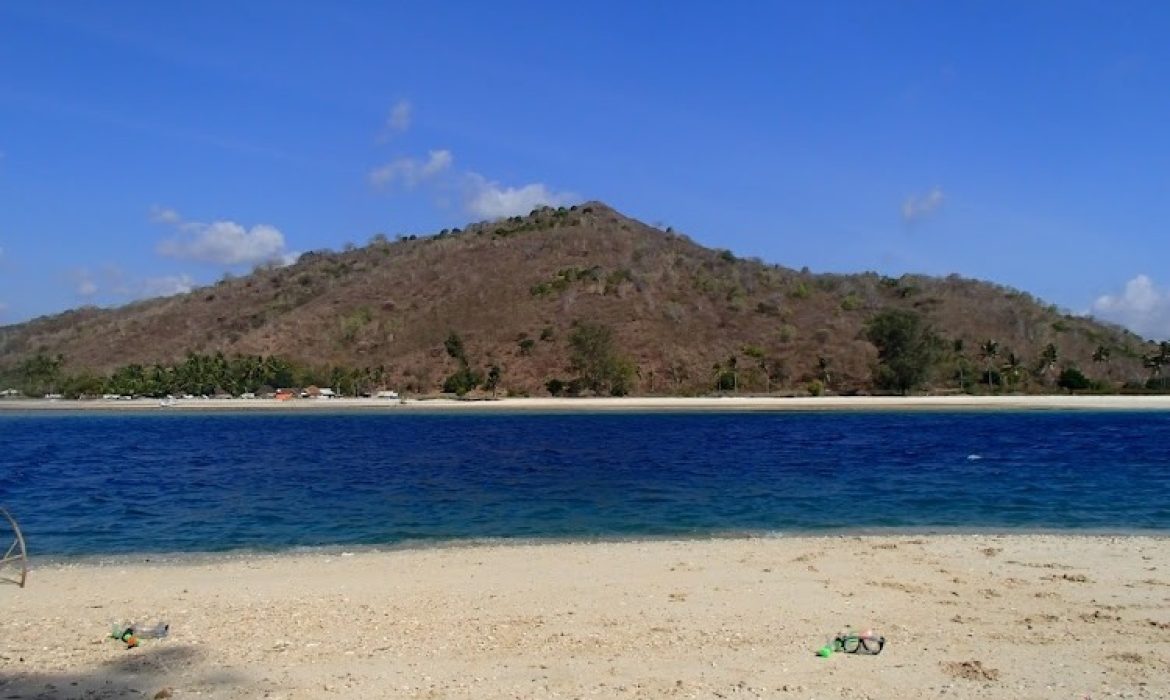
{"x": 181, "y": 482}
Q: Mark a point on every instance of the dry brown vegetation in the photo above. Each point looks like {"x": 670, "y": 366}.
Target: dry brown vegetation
{"x": 512, "y": 290}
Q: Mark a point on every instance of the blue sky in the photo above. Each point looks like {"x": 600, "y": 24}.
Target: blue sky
{"x": 146, "y": 147}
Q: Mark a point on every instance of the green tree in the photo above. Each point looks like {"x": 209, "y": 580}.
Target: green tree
{"x": 594, "y": 357}
{"x": 129, "y": 380}
{"x": 724, "y": 375}
{"x": 462, "y": 381}
{"x": 823, "y": 373}
{"x": 85, "y": 385}
{"x": 454, "y": 346}
{"x": 41, "y": 374}
{"x": 1154, "y": 362}
{"x": 907, "y": 349}
{"x": 1072, "y": 379}
{"x": 1048, "y": 357}
{"x": 493, "y": 379}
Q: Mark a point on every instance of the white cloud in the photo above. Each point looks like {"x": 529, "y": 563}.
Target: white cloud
{"x": 490, "y": 200}
{"x": 399, "y": 118}
{"x": 1142, "y": 308}
{"x": 226, "y": 243}
{"x": 222, "y": 242}
{"x": 919, "y": 206}
{"x": 410, "y": 171}
{"x": 86, "y": 287}
{"x": 168, "y": 285}
{"x": 164, "y": 215}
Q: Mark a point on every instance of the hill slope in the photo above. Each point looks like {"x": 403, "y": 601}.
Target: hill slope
{"x": 513, "y": 290}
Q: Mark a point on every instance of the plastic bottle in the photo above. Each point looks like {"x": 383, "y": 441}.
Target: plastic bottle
{"x": 160, "y": 630}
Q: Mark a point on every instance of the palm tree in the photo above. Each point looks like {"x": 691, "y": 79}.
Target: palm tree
{"x": 1048, "y": 357}
{"x": 1154, "y": 363}
{"x": 989, "y": 350}
{"x": 960, "y": 361}
{"x": 1012, "y": 368}
{"x": 823, "y": 368}
{"x": 1101, "y": 357}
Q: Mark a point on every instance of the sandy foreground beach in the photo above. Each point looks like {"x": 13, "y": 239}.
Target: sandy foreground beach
{"x": 627, "y": 403}
{"x": 967, "y": 616}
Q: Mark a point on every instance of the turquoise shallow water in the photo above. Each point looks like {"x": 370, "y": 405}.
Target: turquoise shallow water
{"x": 178, "y": 482}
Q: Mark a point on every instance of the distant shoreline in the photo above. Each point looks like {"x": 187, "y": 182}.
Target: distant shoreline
{"x": 640, "y": 404}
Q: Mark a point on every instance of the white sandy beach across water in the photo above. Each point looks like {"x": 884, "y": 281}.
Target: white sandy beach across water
{"x": 731, "y": 403}
{"x": 967, "y": 616}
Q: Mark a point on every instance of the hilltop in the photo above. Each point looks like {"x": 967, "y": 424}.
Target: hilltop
{"x": 686, "y": 318}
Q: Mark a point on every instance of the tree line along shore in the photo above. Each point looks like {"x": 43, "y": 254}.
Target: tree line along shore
{"x": 911, "y": 357}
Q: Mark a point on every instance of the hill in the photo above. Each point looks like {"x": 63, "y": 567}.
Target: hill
{"x": 683, "y": 318}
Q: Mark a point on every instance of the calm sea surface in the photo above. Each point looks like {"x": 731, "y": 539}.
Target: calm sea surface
{"x": 170, "y": 481}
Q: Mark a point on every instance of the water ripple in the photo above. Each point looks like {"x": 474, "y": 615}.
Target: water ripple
{"x": 86, "y": 484}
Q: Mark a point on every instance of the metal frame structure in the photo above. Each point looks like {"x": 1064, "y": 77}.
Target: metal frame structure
{"x": 16, "y": 552}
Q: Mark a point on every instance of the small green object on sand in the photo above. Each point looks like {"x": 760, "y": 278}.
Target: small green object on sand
{"x": 825, "y": 651}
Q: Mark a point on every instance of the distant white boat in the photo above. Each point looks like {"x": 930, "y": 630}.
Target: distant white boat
{"x": 386, "y": 395}
{"x": 168, "y": 401}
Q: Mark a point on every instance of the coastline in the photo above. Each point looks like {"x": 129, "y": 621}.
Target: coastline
{"x": 640, "y": 404}
{"x": 984, "y": 615}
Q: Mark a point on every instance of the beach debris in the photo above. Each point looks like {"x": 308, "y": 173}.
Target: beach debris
{"x": 131, "y": 634}
{"x": 1074, "y": 578}
{"x": 849, "y": 643}
{"x": 125, "y": 635}
{"x": 14, "y": 563}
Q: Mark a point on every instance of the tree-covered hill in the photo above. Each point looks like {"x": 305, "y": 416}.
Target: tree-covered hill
{"x": 546, "y": 299}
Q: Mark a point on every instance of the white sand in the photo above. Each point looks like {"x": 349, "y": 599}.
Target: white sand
{"x": 730, "y": 403}
{"x": 964, "y": 616}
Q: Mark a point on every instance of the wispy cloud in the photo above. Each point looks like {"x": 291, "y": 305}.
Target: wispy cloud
{"x": 480, "y": 195}
{"x": 110, "y": 282}
{"x": 168, "y": 285}
{"x": 1142, "y": 307}
{"x": 221, "y": 242}
{"x": 399, "y": 118}
{"x": 410, "y": 171}
{"x": 84, "y": 285}
{"x": 917, "y": 207}
{"x": 163, "y": 215}
{"x": 491, "y": 200}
